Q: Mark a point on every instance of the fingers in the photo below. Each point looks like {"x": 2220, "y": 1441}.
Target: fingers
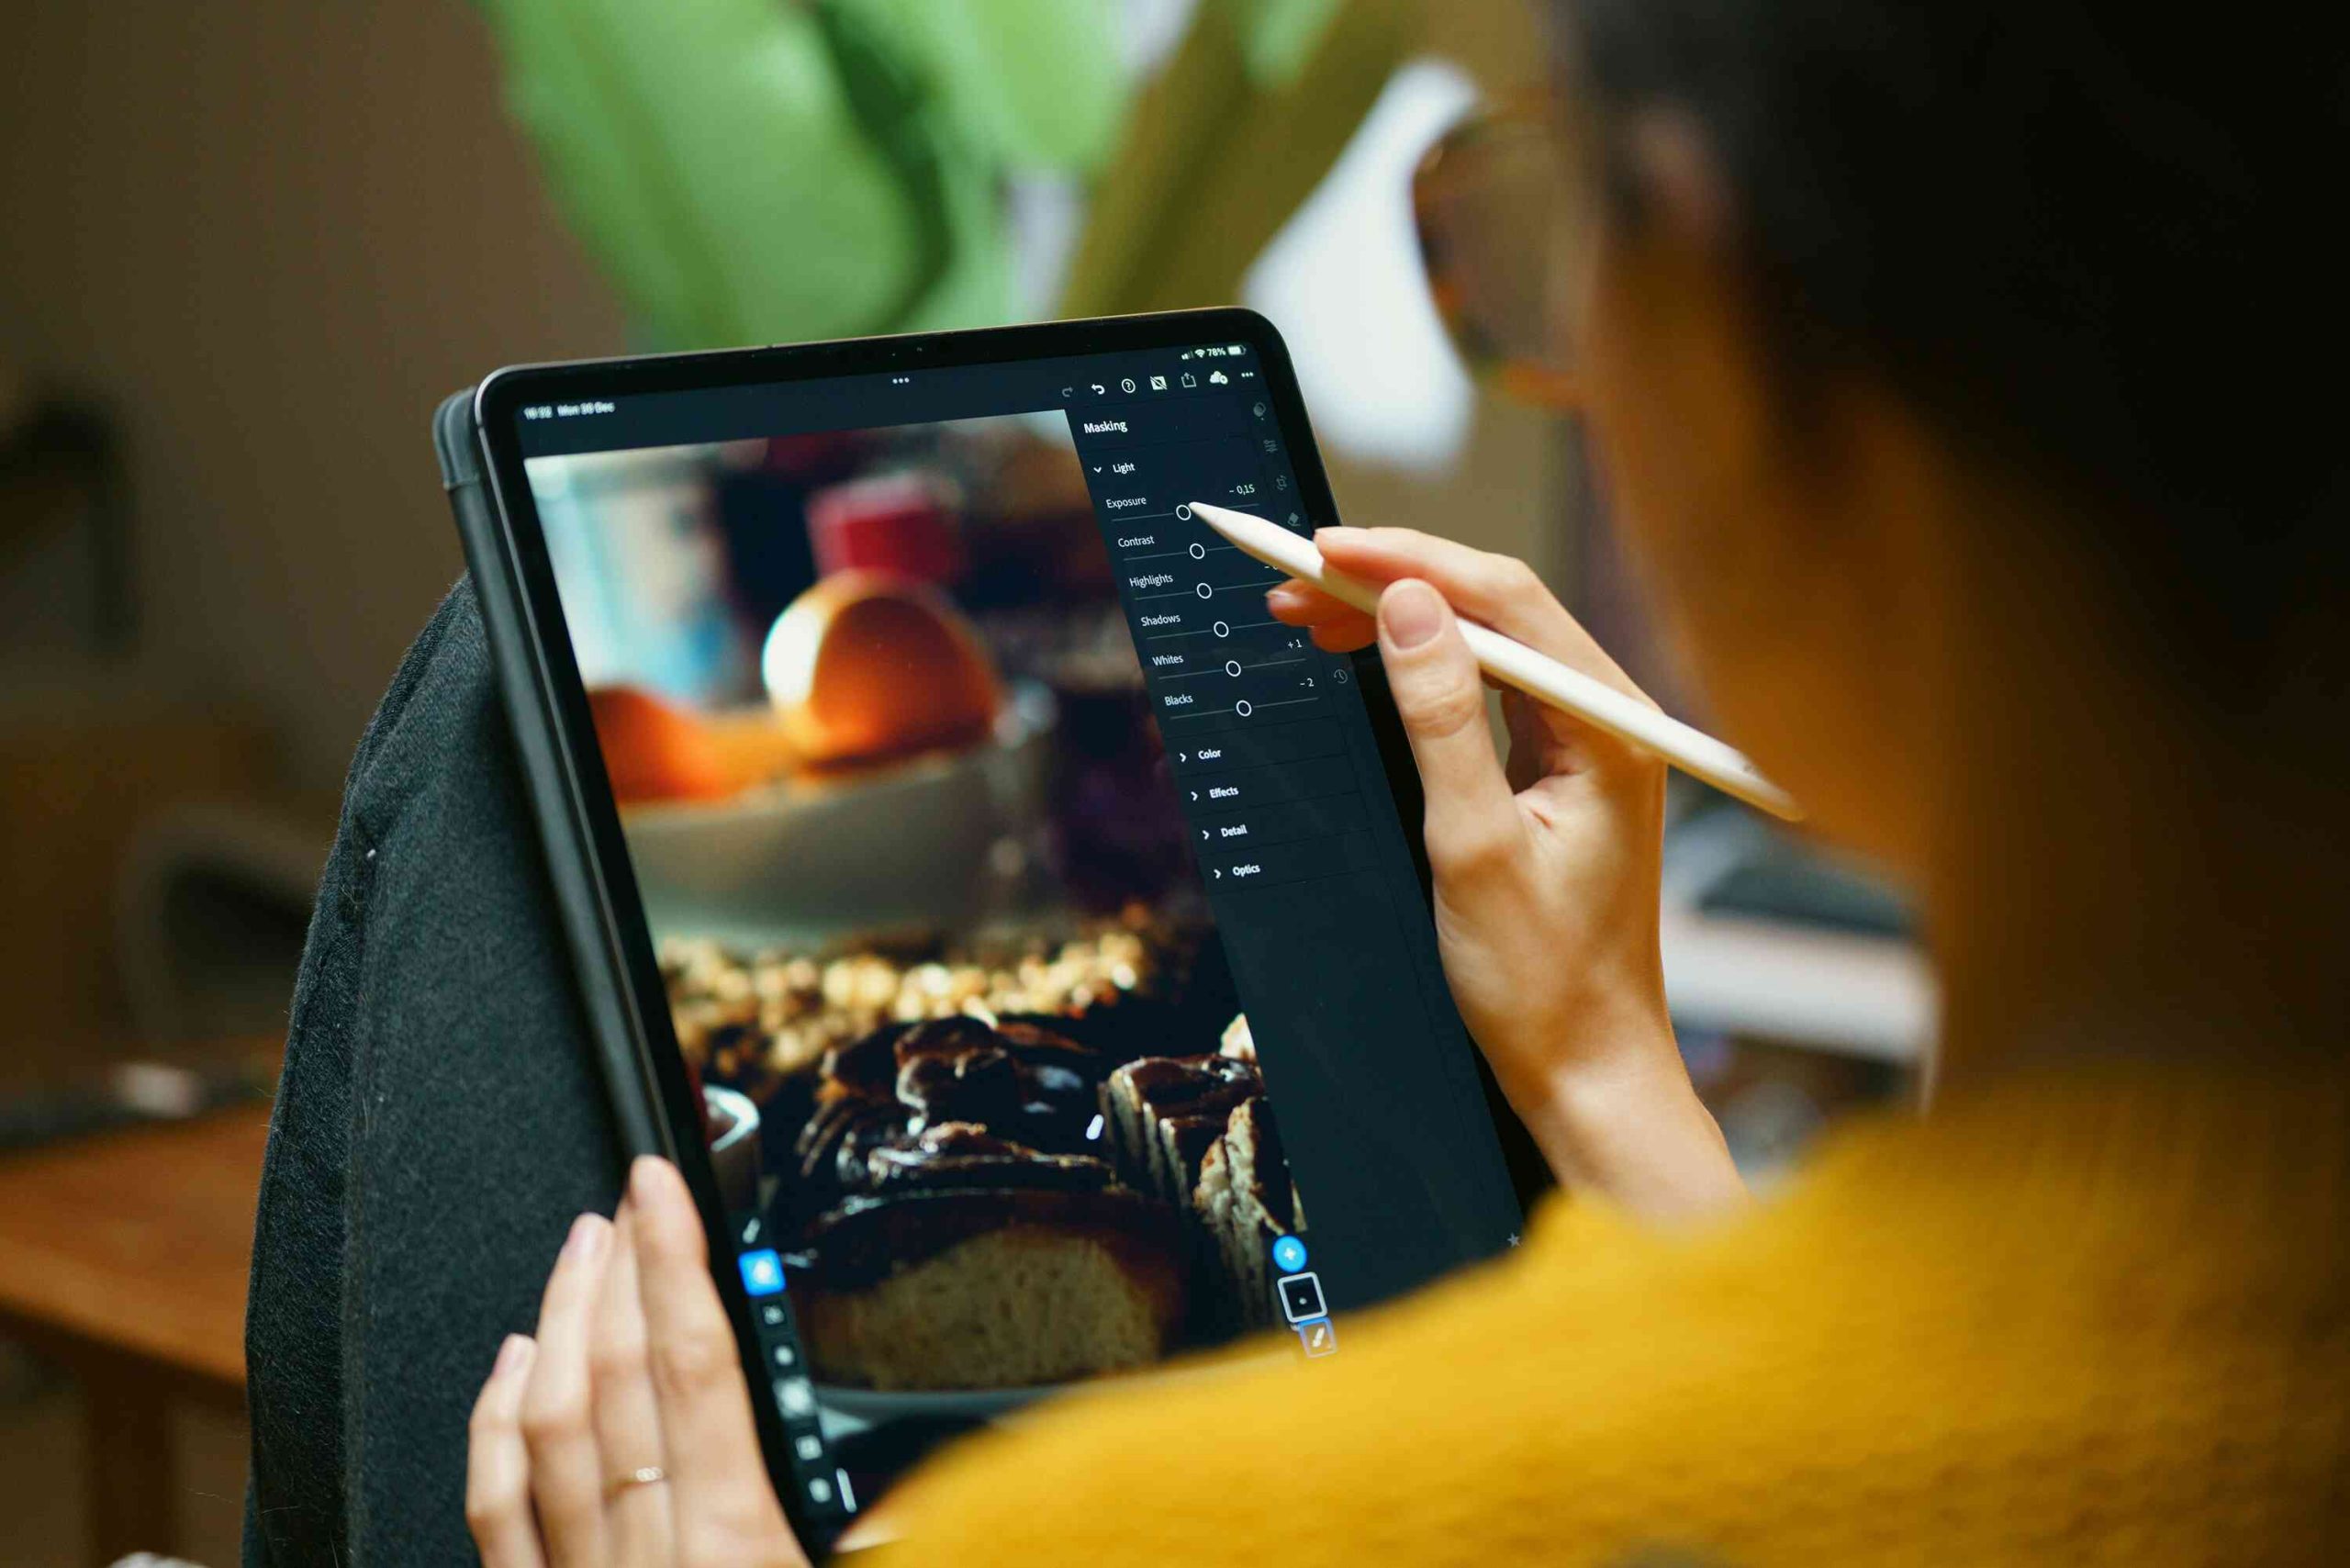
{"x": 1499, "y": 590}
{"x": 1472, "y": 817}
{"x": 1337, "y": 628}
{"x": 1359, "y": 631}
{"x": 1299, "y": 603}
{"x": 566, "y": 1469}
{"x": 725, "y": 1508}
{"x": 626, "y": 1414}
{"x": 498, "y": 1464}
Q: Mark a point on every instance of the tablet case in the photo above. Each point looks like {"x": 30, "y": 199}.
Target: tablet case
{"x": 599, "y": 967}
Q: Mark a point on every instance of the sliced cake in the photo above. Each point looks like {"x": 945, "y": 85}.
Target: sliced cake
{"x": 972, "y": 1261}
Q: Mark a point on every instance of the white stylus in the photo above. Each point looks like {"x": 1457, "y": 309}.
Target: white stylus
{"x": 1514, "y": 663}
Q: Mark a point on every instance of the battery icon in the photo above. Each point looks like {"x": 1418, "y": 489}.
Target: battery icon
{"x": 1238, "y": 348}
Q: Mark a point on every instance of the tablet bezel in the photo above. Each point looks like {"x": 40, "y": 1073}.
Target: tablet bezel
{"x": 625, "y": 960}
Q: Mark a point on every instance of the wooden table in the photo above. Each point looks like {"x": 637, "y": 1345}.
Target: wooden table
{"x": 124, "y": 1256}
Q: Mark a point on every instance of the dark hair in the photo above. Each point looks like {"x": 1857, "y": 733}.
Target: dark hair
{"x": 2100, "y": 243}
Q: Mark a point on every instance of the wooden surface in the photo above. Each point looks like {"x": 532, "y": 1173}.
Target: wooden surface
{"x": 124, "y": 1255}
{"x": 135, "y": 1245}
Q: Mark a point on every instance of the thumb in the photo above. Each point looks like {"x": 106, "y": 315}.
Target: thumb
{"x": 1440, "y": 697}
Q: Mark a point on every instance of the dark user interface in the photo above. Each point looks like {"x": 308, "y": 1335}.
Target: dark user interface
{"x": 1035, "y": 918}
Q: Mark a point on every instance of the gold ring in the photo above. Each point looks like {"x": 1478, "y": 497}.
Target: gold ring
{"x": 643, "y": 1475}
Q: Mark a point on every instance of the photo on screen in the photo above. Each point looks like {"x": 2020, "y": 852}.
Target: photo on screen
{"x": 936, "y": 950}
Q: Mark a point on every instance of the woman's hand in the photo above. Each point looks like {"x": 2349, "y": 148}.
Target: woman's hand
{"x": 1546, "y": 871}
{"x": 622, "y": 1437}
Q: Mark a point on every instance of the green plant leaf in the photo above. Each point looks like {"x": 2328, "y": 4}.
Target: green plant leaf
{"x": 1030, "y": 84}
{"x": 708, "y": 154}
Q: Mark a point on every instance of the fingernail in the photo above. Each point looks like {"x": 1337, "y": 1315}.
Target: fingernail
{"x": 586, "y": 1237}
{"x": 1410, "y": 613}
{"x": 514, "y": 1355}
{"x": 1337, "y": 533}
{"x": 645, "y": 1177}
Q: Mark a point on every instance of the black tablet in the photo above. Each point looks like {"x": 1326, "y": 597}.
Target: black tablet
{"x": 1018, "y": 937}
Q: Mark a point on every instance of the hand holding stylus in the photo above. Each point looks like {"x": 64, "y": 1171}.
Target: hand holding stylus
{"x": 1627, "y": 716}
{"x": 1546, "y": 869}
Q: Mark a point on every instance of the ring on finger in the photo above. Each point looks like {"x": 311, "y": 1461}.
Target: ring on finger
{"x": 643, "y": 1475}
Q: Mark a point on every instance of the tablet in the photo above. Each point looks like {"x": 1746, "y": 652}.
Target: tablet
{"x": 1018, "y": 937}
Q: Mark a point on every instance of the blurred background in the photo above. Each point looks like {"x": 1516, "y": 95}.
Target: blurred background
{"x": 247, "y": 248}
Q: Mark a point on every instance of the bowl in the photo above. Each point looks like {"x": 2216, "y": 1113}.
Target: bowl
{"x": 914, "y": 843}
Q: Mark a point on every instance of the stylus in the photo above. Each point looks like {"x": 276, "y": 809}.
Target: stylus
{"x": 1514, "y": 663}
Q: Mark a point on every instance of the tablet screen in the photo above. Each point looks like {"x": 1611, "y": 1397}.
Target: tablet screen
{"x": 1035, "y": 916}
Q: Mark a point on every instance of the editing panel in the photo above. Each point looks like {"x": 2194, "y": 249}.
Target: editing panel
{"x": 1240, "y": 698}
{"x": 1295, "y": 835}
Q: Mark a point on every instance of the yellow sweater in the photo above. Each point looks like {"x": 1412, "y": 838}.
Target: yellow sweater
{"x": 2103, "y": 1317}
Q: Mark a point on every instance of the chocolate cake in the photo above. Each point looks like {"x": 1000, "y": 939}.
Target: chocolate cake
{"x": 982, "y": 1201}
{"x": 973, "y": 1261}
{"x": 1018, "y": 1079}
{"x": 1199, "y": 1132}
{"x": 961, "y": 1228}
{"x": 832, "y": 1148}
{"x": 963, "y": 1155}
{"x": 764, "y": 1023}
{"x": 1245, "y": 1201}
{"x": 1162, "y": 1114}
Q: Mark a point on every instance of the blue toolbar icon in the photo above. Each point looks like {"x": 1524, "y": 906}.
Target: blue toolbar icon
{"x": 1288, "y": 1254}
{"x": 762, "y": 1273}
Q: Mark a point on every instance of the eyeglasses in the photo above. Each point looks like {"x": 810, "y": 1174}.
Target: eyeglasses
{"x": 1507, "y": 223}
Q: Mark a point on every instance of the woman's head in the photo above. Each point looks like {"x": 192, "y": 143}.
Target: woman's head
{"x": 1930, "y": 339}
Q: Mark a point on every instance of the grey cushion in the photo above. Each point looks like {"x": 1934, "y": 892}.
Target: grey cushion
{"x": 439, "y": 1121}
